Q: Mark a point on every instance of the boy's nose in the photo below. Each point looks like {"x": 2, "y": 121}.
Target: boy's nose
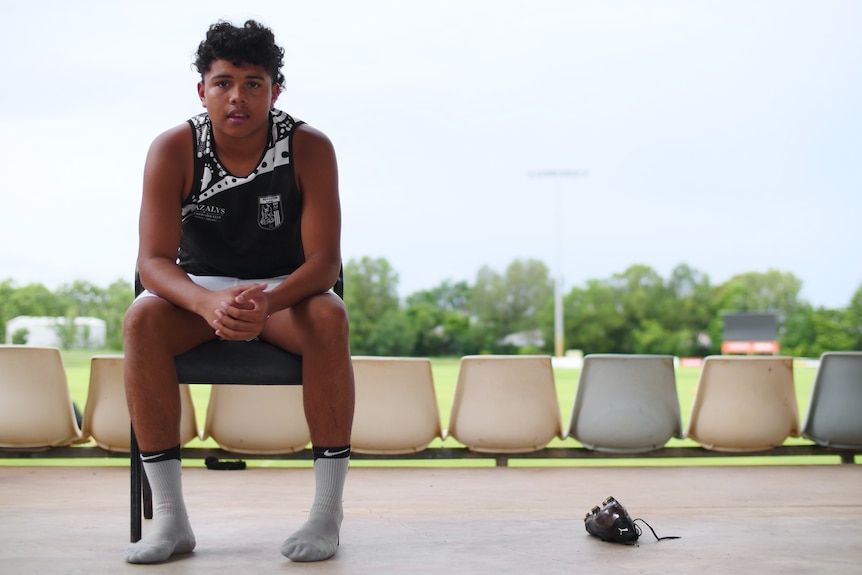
{"x": 237, "y": 95}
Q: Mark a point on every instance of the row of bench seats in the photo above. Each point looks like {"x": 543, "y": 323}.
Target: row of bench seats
{"x": 624, "y": 404}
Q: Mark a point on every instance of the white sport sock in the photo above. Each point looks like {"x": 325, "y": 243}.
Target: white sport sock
{"x": 318, "y": 538}
{"x": 171, "y": 531}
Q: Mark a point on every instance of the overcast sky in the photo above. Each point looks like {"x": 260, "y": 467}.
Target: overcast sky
{"x": 725, "y": 135}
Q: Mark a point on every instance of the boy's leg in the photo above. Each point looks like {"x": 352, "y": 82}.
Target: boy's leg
{"x": 154, "y": 332}
{"x": 318, "y": 330}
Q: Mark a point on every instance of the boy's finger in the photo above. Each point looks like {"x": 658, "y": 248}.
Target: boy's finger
{"x": 252, "y": 292}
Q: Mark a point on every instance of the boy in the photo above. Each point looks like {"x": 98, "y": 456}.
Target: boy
{"x": 240, "y": 231}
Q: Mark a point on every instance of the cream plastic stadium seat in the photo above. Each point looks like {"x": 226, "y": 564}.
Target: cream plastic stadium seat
{"x": 396, "y": 407}
{"x": 106, "y": 414}
{"x": 834, "y": 416}
{"x": 744, "y": 403}
{"x": 35, "y": 403}
{"x": 626, "y": 403}
{"x": 505, "y": 404}
{"x": 257, "y": 419}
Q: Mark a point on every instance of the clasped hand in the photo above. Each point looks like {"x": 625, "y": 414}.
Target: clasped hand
{"x": 241, "y": 313}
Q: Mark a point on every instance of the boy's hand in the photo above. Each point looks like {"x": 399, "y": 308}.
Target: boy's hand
{"x": 242, "y": 312}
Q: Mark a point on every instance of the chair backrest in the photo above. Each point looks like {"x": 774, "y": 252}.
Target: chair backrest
{"x": 396, "y": 406}
{"x": 744, "y": 403}
{"x": 834, "y": 415}
{"x": 505, "y": 404}
{"x": 106, "y": 414}
{"x": 36, "y": 406}
{"x": 626, "y": 403}
{"x": 257, "y": 419}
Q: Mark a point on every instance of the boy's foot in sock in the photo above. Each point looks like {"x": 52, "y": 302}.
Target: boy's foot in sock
{"x": 317, "y": 540}
{"x": 171, "y": 531}
{"x": 168, "y": 536}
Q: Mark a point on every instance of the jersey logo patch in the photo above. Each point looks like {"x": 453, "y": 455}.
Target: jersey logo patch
{"x": 269, "y": 212}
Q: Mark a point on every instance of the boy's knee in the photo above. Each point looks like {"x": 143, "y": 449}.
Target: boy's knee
{"x": 132, "y": 321}
{"x": 141, "y": 318}
{"x": 335, "y": 317}
{"x": 327, "y": 315}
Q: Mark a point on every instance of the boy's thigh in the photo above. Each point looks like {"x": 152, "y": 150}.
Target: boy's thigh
{"x": 155, "y": 320}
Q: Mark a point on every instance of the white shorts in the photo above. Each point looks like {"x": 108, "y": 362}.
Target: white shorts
{"x": 216, "y": 283}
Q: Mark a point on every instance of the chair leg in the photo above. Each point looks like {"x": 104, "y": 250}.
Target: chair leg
{"x": 137, "y": 478}
{"x": 147, "y": 496}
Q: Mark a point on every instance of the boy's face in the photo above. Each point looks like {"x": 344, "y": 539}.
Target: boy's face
{"x": 238, "y": 98}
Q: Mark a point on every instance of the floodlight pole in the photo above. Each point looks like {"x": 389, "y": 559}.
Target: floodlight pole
{"x": 559, "y": 345}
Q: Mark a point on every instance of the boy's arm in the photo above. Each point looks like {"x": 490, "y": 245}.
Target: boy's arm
{"x": 167, "y": 176}
{"x": 316, "y": 172}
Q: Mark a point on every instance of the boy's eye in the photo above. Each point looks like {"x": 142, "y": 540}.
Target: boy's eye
{"x": 254, "y": 84}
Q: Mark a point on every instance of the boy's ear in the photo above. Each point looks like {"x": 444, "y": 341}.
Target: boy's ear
{"x": 276, "y": 92}
{"x": 201, "y": 94}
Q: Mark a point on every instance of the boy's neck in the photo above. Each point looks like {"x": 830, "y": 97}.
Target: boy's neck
{"x": 240, "y": 156}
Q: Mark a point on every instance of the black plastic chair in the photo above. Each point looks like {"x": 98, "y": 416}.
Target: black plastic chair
{"x": 217, "y": 362}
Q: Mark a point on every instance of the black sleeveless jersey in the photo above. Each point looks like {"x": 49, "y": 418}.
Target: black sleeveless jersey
{"x": 248, "y": 227}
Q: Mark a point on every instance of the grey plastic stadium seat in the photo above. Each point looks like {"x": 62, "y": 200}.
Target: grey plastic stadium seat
{"x": 834, "y": 415}
{"x": 626, "y": 403}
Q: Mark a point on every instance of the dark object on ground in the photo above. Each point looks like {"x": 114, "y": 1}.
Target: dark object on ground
{"x": 216, "y": 463}
{"x": 612, "y": 522}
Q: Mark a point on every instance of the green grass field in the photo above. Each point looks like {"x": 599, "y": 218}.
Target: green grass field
{"x": 445, "y": 372}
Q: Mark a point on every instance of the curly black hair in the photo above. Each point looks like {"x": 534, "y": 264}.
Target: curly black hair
{"x": 252, "y": 44}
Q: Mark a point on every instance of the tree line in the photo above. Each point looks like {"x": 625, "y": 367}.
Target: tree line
{"x": 634, "y": 311}
{"x": 78, "y": 299}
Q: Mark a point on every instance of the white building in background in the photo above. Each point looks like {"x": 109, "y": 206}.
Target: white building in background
{"x": 88, "y": 332}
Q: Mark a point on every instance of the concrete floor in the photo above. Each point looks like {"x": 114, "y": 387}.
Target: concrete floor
{"x": 733, "y": 520}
